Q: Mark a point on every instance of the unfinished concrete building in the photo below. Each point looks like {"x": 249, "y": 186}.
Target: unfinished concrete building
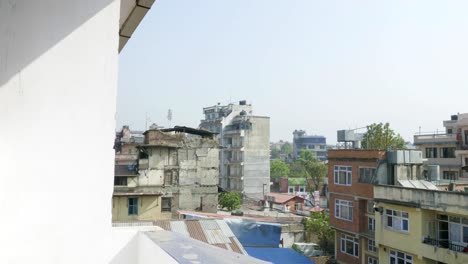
{"x": 245, "y": 155}
{"x": 177, "y": 169}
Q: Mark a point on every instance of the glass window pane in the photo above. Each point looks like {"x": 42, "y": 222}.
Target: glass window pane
{"x": 405, "y": 225}
{"x": 454, "y": 232}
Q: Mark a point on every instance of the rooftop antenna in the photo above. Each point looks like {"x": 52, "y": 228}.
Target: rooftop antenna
{"x": 147, "y": 119}
{"x": 169, "y": 116}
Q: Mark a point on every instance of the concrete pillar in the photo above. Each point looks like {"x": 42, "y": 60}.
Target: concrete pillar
{"x": 58, "y": 82}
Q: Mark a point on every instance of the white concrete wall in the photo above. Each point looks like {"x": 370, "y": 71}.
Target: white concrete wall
{"x": 58, "y": 82}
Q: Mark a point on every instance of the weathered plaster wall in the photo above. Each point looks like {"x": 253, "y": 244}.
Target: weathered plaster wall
{"x": 257, "y": 158}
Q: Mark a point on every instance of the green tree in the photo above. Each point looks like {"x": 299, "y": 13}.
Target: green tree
{"x": 279, "y": 168}
{"x": 296, "y": 169}
{"x": 230, "y": 200}
{"x": 381, "y": 136}
{"x": 274, "y": 153}
{"x": 286, "y": 148}
{"x": 318, "y": 226}
{"x": 313, "y": 168}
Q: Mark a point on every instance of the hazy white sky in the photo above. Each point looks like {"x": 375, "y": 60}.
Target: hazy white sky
{"x": 314, "y": 65}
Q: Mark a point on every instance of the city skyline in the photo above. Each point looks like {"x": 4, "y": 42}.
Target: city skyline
{"x": 317, "y": 66}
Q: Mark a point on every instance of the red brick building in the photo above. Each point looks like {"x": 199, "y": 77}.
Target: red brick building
{"x": 350, "y": 176}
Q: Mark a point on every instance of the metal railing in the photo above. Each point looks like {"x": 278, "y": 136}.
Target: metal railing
{"x": 445, "y": 244}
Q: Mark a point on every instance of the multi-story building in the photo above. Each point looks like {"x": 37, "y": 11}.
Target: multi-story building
{"x": 420, "y": 226}
{"x": 126, "y": 155}
{"x": 316, "y": 144}
{"x": 245, "y": 157}
{"x": 177, "y": 169}
{"x": 352, "y": 176}
{"x": 449, "y": 149}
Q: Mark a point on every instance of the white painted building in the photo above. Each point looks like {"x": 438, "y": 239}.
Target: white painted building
{"x": 58, "y": 76}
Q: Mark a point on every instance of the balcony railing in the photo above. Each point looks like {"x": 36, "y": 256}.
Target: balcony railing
{"x": 445, "y": 244}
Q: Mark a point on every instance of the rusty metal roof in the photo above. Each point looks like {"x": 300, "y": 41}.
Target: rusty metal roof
{"x": 211, "y": 231}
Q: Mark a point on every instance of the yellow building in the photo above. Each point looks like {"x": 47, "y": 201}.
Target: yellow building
{"x": 416, "y": 226}
{"x": 143, "y": 207}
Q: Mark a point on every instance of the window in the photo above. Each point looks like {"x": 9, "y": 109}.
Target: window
{"x": 165, "y": 204}
{"x": 366, "y": 175}
{"x": 298, "y": 206}
{"x": 350, "y": 245}
{"x": 301, "y": 189}
{"x": 132, "y": 206}
{"x": 397, "y": 220}
{"x": 431, "y": 152}
{"x": 344, "y": 210}
{"x": 168, "y": 178}
{"x": 449, "y": 131}
{"x": 457, "y": 228}
{"x": 291, "y": 190}
{"x": 120, "y": 181}
{"x": 397, "y": 257}
{"x": 343, "y": 175}
{"x": 447, "y": 153}
{"x": 371, "y": 224}
{"x": 372, "y": 260}
{"x": 450, "y": 175}
{"x": 371, "y": 245}
{"x": 322, "y": 146}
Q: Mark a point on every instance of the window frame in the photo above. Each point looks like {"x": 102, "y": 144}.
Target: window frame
{"x": 371, "y": 245}
{"x": 372, "y": 260}
{"x": 132, "y": 207}
{"x": 348, "y": 174}
{"x": 371, "y": 224}
{"x": 163, "y": 209}
{"x": 397, "y": 220}
{"x": 339, "y": 212}
{"x": 372, "y": 174}
{"x": 119, "y": 180}
{"x": 397, "y": 256}
{"x": 344, "y": 240}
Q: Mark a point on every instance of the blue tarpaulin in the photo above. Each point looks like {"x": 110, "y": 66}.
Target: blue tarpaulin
{"x": 278, "y": 255}
{"x": 255, "y": 234}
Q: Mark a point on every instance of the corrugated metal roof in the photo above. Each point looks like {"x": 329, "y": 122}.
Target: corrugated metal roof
{"x": 225, "y": 228}
{"x": 179, "y": 227}
{"x": 195, "y": 231}
{"x": 209, "y": 224}
{"x": 221, "y": 246}
{"x": 236, "y": 247}
{"x": 216, "y": 236}
{"x": 211, "y": 231}
{"x": 164, "y": 224}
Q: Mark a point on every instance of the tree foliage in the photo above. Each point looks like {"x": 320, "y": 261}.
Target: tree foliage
{"x": 279, "y": 168}
{"x": 381, "y": 136}
{"x": 275, "y": 153}
{"x": 313, "y": 168}
{"x": 230, "y": 200}
{"x": 296, "y": 169}
{"x": 286, "y": 148}
{"x": 318, "y": 225}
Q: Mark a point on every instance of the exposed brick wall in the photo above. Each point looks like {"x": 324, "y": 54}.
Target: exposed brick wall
{"x": 283, "y": 185}
{"x": 357, "y": 193}
{"x": 352, "y": 226}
